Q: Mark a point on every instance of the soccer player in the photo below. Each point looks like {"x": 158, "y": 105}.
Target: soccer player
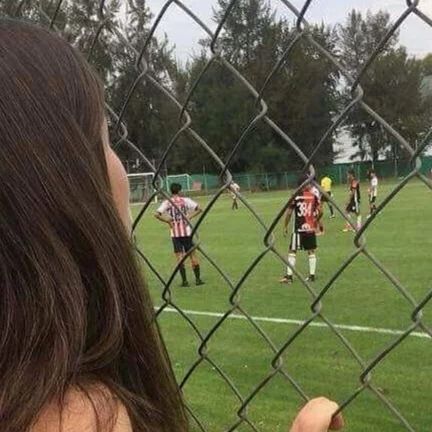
{"x": 317, "y": 193}
{"x": 372, "y": 191}
{"x": 353, "y": 206}
{"x": 234, "y": 188}
{"x": 306, "y": 208}
{"x": 326, "y": 184}
{"x": 177, "y": 213}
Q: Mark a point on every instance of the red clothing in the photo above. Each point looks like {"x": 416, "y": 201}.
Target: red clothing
{"x": 305, "y": 206}
{"x": 177, "y": 209}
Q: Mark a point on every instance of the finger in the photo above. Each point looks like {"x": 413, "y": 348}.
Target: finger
{"x": 337, "y": 422}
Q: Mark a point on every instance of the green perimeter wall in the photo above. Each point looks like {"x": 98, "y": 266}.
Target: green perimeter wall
{"x": 284, "y": 180}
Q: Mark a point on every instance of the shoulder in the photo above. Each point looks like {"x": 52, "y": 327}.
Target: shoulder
{"x": 164, "y": 206}
{"x": 315, "y": 192}
{"x": 83, "y": 411}
{"x": 190, "y": 202}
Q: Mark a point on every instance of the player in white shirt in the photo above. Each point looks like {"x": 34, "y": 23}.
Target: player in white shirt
{"x": 177, "y": 212}
{"x": 372, "y": 191}
{"x": 234, "y": 188}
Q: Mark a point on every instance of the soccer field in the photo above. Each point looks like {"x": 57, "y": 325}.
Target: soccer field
{"x": 362, "y": 301}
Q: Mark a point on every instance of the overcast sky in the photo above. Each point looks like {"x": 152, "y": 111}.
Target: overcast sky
{"x": 185, "y": 34}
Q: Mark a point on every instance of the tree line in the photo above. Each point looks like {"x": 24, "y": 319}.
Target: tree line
{"x": 304, "y": 97}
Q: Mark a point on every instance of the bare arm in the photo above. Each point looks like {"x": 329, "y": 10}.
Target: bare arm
{"x": 194, "y": 213}
{"x": 163, "y": 218}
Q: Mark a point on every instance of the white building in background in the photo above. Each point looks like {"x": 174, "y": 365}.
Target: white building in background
{"x": 426, "y": 86}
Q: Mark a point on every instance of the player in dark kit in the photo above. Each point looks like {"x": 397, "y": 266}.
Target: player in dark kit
{"x": 353, "y": 206}
{"x": 306, "y": 208}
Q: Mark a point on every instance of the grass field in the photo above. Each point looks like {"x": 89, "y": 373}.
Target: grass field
{"x": 400, "y": 238}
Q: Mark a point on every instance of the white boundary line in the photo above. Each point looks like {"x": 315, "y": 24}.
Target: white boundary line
{"x": 353, "y": 328}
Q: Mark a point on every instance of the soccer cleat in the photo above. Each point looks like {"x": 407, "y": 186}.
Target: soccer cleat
{"x": 199, "y": 282}
{"x": 348, "y": 229}
{"x": 286, "y": 279}
{"x": 332, "y": 216}
{"x": 310, "y": 278}
{"x": 185, "y": 284}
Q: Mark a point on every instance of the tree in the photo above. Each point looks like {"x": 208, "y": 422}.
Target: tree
{"x": 10, "y": 7}
{"x": 306, "y": 96}
{"x": 302, "y": 97}
{"x": 395, "y": 88}
{"x": 427, "y": 65}
{"x": 81, "y": 27}
{"x": 360, "y": 37}
{"x": 151, "y": 119}
{"x": 245, "y": 29}
{"x": 391, "y": 85}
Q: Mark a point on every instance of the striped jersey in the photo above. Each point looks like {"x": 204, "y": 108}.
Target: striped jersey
{"x": 234, "y": 187}
{"x": 178, "y": 208}
{"x": 305, "y": 206}
{"x": 355, "y": 190}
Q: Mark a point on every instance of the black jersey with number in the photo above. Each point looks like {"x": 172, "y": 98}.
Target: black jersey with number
{"x": 305, "y": 206}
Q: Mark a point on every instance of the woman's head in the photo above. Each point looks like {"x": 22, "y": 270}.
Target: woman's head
{"x": 73, "y": 308}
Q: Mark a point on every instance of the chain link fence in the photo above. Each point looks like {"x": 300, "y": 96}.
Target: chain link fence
{"x": 387, "y": 170}
{"x": 49, "y": 13}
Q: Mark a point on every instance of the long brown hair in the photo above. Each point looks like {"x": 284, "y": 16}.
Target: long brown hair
{"x": 74, "y": 309}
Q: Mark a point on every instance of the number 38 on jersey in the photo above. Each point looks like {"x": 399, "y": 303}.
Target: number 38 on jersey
{"x": 305, "y": 207}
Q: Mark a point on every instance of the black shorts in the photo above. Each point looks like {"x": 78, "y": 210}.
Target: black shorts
{"x": 372, "y": 199}
{"x": 353, "y": 207}
{"x": 324, "y": 198}
{"x": 182, "y": 244}
{"x": 303, "y": 241}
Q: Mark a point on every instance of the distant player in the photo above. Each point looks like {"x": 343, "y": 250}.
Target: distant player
{"x": 326, "y": 185}
{"x": 372, "y": 191}
{"x": 353, "y": 206}
{"x": 306, "y": 208}
{"x": 234, "y": 188}
{"x": 176, "y": 213}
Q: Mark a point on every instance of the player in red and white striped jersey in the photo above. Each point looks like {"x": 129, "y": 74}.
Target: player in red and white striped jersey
{"x": 177, "y": 212}
{"x": 235, "y": 189}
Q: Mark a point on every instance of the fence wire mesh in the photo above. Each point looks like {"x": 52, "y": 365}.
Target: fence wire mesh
{"x": 50, "y": 14}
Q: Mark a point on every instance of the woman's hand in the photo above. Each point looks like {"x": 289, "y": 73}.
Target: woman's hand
{"x": 317, "y": 416}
